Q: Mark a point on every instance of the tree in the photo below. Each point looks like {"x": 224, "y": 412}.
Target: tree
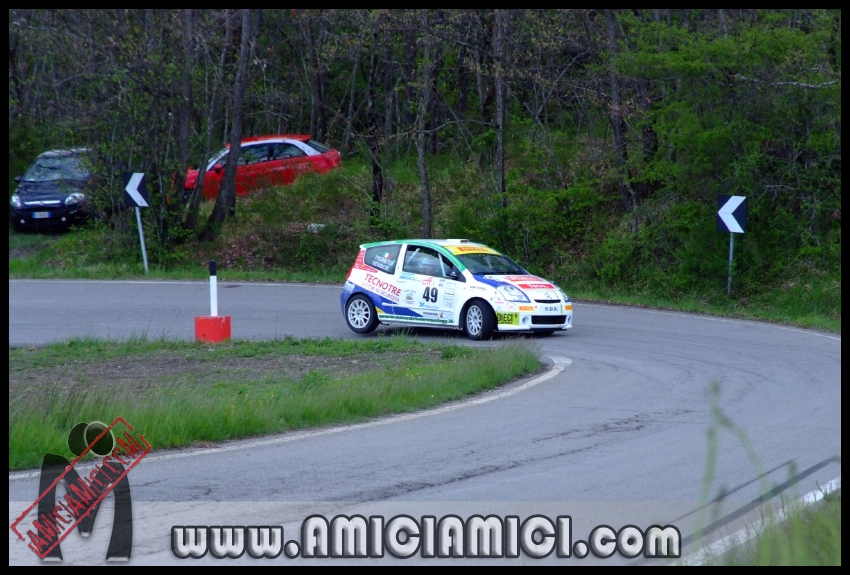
{"x": 225, "y": 203}
{"x": 616, "y": 116}
{"x": 421, "y": 118}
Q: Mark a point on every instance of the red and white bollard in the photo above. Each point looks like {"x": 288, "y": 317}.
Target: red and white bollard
{"x": 213, "y": 328}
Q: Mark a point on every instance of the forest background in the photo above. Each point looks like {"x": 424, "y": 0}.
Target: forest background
{"x": 590, "y": 145}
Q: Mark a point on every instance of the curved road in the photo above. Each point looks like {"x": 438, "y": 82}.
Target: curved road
{"x": 617, "y": 434}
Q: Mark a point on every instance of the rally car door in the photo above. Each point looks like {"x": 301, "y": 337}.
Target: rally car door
{"x": 427, "y": 290}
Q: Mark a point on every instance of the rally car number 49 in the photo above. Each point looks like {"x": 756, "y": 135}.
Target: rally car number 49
{"x": 449, "y": 284}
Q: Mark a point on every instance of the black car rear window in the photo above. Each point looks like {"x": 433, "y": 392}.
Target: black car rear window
{"x": 384, "y": 258}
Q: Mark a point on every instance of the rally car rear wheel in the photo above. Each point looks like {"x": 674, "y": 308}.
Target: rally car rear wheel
{"x": 360, "y": 314}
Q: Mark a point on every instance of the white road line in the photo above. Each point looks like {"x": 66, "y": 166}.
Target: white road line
{"x": 559, "y": 364}
{"x": 722, "y": 546}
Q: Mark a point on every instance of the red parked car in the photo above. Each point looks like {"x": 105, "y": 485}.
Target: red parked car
{"x": 267, "y": 161}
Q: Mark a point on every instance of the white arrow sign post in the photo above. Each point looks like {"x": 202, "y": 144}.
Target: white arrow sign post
{"x": 137, "y": 196}
{"x": 732, "y": 218}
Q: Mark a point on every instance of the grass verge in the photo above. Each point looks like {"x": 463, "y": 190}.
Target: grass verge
{"x": 179, "y": 394}
{"x": 786, "y": 313}
{"x": 792, "y": 536}
{"x": 810, "y": 537}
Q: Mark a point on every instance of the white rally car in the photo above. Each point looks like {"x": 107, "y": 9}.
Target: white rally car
{"x": 449, "y": 284}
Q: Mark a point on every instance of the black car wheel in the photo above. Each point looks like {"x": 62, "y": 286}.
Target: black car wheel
{"x": 479, "y": 321}
{"x": 360, "y": 314}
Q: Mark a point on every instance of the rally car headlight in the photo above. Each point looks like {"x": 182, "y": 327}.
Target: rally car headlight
{"x": 510, "y": 293}
{"x": 561, "y": 293}
{"x": 16, "y": 201}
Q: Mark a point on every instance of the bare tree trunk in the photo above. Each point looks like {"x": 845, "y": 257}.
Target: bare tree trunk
{"x": 388, "y": 121}
{"x": 225, "y": 203}
{"x": 388, "y": 100}
{"x": 462, "y": 82}
{"x": 14, "y": 71}
{"x": 433, "y": 117}
{"x": 185, "y": 103}
{"x": 198, "y": 193}
{"x": 499, "y": 80}
{"x": 618, "y": 124}
{"x": 350, "y": 119}
{"x": 424, "y": 102}
{"x": 372, "y": 121}
{"x": 409, "y": 73}
{"x": 319, "y": 122}
{"x": 486, "y": 88}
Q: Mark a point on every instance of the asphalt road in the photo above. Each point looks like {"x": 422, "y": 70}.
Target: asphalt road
{"x": 617, "y": 434}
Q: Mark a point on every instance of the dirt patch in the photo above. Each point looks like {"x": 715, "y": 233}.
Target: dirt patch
{"x": 167, "y": 368}
{"x": 22, "y": 252}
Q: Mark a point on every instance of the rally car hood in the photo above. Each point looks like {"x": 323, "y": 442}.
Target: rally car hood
{"x": 535, "y": 287}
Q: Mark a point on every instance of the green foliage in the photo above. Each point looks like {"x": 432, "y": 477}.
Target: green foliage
{"x": 713, "y": 102}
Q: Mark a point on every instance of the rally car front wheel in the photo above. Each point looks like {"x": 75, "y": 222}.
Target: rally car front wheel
{"x": 479, "y": 321}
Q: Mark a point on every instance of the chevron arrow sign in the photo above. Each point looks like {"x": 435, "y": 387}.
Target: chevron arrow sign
{"x": 135, "y": 190}
{"x": 732, "y": 214}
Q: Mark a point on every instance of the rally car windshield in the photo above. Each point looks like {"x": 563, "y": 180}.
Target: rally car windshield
{"x": 494, "y": 264}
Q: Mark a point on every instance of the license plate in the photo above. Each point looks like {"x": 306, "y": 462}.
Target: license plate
{"x": 40, "y": 215}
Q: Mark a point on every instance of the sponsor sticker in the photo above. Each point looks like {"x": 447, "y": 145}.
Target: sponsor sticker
{"x": 361, "y": 265}
{"x": 536, "y": 286}
{"x": 511, "y": 306}
{"x": 383, "y": 263}
{"x": 523, "y": 279}
{"x": 526, "y": 308}
{"x": 383, "y": 288}
{"x": 458, "y": 250}
{"x": 409, "y": 297}
{"x": 413, "y": 319}
{"x": 507, "y": 318}
{"x": 348, "y": 286}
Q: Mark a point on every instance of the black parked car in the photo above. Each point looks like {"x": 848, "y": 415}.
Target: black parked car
{"x": 52, "y": 191}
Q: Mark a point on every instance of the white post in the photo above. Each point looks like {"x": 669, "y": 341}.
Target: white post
{"x": 213, "y": 290}
{"x": 731, "y": 247}
{"x": 142, "y": 238}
